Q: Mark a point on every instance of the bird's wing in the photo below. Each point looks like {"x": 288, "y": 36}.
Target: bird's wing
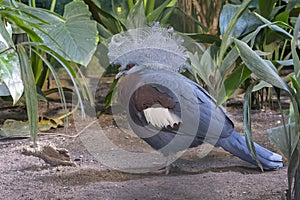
{"x": 157, "y": 105}
{"x": 167, "y": 101}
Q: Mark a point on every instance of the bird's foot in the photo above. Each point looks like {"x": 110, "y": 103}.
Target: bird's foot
{"x": 166, "y": 170}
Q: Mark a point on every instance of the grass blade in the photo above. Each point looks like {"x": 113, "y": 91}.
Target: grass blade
{"x": 30, "y": 93}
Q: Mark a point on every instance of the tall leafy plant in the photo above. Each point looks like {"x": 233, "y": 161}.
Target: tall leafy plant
{"x": 70, "y": 39}
{"x": 285, "y": 137}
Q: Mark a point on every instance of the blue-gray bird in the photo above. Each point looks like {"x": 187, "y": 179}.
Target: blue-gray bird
{"x": 164, "y": 108}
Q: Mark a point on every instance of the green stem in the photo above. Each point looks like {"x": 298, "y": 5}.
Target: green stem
{"x": 53, "y": 4}
{"x": 33, "y": 3}
{"x": 130, "y": 4}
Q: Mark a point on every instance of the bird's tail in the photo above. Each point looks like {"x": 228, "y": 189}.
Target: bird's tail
{"x": 236, "y": 145}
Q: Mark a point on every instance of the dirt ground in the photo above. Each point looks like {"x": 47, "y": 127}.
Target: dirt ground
{"x": 218, "y": 175}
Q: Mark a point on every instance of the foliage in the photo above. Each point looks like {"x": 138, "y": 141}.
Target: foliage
{"x": 61, "y": 38}
{"x": 131, "y": 15}
{"x": 285, "y": 137}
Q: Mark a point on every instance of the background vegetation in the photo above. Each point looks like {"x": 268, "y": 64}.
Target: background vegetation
{"x": 252, "y": 45}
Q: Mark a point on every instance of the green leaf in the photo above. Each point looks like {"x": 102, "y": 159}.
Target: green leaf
{"x": 274, "y": 27}
{"x": 247, "y": 124}
{"x": 4, "y": 90}
{"x": 261, "y": 68}
{"x": 136, "y": 17}
{"x": 10, "y": 74}
{"x": 15, "y": 129}
{"x": 9, "y": 66}
{"x": 155, "y": 14}
{"x": 206, "y": 69}
{"x": 37, "y": 15}
{"x": 283, "y": 17}
{"x": 227, "y": 35}
{"x": 149, "y": 6}
{"x": 235, "y": 79}
{"x": 79, "y": 41}
{"x": 279, "y": 138}
{"x": 266, "y": 7}
{"x": 30, "y": 93}
{"x": 5, "y": 37}
{"x": 261, "y": 85}
{"x": 107, "y": 20}
{"x": 203, "y": 38}
{"x": 295, "y": 44}
{"x": 56, "y": 78}
{"x": 246, "y": 23}
{"x": 77, "y": 36}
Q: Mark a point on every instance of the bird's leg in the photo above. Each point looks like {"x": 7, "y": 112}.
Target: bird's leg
{"x": 165, "y": 170}
{"x": 168, "y": 168}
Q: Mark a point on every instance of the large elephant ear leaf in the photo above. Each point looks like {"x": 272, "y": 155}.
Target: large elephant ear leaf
{"x": 261, "y": 68}
{"x": 75, "y": 37}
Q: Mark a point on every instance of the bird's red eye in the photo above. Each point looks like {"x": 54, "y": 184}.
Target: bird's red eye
{"x": 129, "y": 66}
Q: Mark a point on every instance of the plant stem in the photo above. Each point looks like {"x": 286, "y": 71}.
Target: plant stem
{"x": 32, "y": 2}
{"x": 53, "y": 4}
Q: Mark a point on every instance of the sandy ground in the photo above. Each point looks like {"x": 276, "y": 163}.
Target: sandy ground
{"x": 216, "y": 176}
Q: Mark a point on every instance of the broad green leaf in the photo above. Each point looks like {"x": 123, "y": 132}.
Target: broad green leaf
{"x": 234, "y": 80}
{"x": 30, "y": 93}
{"x": 262, "y": 69}
{"x": 283, "y": 17}
{"x": 77, "y": 42}
{"x": 279, "y": 138}
{"x": 9, "y": 66}
{"x": 10, "y": 74}
{"x": 246, "y": 23}
{"x": 39, "y": 14}
{"x": 266, "y": 7}
{"x": 5, "y": 36}
{"x": 226, "y": 40}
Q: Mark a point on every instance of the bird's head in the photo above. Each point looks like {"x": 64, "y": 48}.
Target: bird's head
{"x": 127, "y": 69}
{"x": 154, "y": 47}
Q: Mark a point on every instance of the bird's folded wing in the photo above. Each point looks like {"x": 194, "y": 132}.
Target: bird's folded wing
{"x": 157, "y": 106}
{"x": 161, "y": 117}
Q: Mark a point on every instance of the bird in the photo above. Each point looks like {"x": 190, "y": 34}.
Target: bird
{"x": 166, "y": 109}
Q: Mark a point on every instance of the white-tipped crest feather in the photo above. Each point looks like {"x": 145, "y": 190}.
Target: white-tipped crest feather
{"x": 154, "y": 47}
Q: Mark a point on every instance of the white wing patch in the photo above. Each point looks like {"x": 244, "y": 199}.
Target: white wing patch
{"x": 161, "y": 117}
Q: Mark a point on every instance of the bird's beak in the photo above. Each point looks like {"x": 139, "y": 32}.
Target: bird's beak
{"x": 118, "y": 75}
